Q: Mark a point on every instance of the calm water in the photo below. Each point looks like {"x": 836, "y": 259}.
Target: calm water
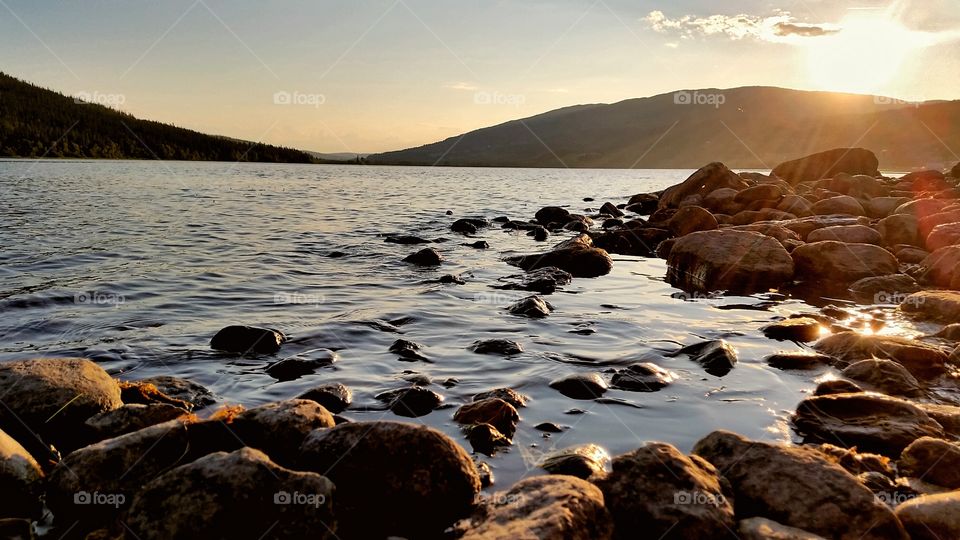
{"x": 138, "y": 264}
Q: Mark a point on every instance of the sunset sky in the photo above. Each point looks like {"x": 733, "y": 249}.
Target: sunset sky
{"x": 374, "y": 75}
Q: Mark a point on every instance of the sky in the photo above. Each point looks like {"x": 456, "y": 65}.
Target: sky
{"x": 363, "y": 76}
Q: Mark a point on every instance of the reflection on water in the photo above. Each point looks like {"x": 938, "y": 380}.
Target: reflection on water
{"x": 138, "y": 264}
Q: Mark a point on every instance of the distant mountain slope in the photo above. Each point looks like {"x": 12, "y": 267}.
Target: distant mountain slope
{"x": 755, "y": 127}
{"x": 36, "y": 122}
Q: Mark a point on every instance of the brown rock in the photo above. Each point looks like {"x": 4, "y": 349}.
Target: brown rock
{"x": 943, "y": 236}
{"x": 900, "y": 229}
{"x": 578, "y": 257}
{"x": 841, "y": 204}
{"x": 935, "y": 305}
{"x": 802, "y": 329}
{"x": 829, "y": 164}
{"x": 884, "y": 376}
{"x": 764, "y": 529}
{"x": 279, "y": 428}
{"x": 690, "y": 219}
{"x": 494, "y": 411}
{"x": 932, "y": 517}
{"x": 942, "y": 268}
{"x": 833, "y": 262}
{"x": 922, "y": 360}
{"x": 848, "y": 234}
{"x": 21, "y": 480}
{"x": 130, "y": 418}
{"x": 709, "y": 178}
{"x": 736, "y": 261}
{"x": 932, "y": 460}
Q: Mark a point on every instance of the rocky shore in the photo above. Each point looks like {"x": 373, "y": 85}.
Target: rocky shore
{"x": 877, "y": 452}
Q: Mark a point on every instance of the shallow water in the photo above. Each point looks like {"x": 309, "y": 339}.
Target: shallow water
{"x": 138, "y": 264}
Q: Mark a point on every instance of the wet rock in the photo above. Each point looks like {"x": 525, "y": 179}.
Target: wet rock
{"x": 639, "y": 242}
{"x": 643, "y": 203}
{"x": 543, "y": 280}
{"x": 736, "y": 261}
{"x": 947, "y": 416}
{"x": 940, "y": 268}
{"x": 451, "y": 279}
{"x": 842, "y": 204}
{"x": 578, "y": 257}
{"x": 836, "y": 386}
{"x": 130, "y": 418}
{"x": 833, "y": 262}
{"x": 871, "y": 422}
{"x": 486, "y": 439}
{"x": 279, "y": 428}
{"x": 584, "y": 461}
{"x": 884, "y": 376}
{"x": 922, "y": 360}
{"x": 797, "y": 487}
{"x": 543, "y": 507}
{"x": 494, "y": 411}
{"x": 247, "y": 339}
{"x": 828, "y": 165}
{"x": 503, "y": 347}
{"x": 801, "y": 329}
{"x": 51, "y": 398}
{"x": 943, "y": 236}
{"x": 548, "y": 427}
{"x": 539, "y": 234}
{"x": 486, "y": 474}
{"x": 411, "y": 402}
{"x": 856, "y": 462}
{"x": 709, "y": 178}
{"x": 580, "y": 386}
{"x": 425, "y": 257}
{"x": 233, "y": 496}
{"x": 463, "y": 226}
{"x": 534, "y": 307}
{"x": 333, "y": 397}
{"x": 931, "y": 517}
{"x": 935, "y": 305}
{"x": 643, "y": 377}
{"x": 691, "y": 219}
{"x": 658, "y": 490}
{"x": 552, "y": 214}
{"x": 884, "y": 289}
{"x": 717, "y": 357}
{"x": 798, "y": 360}
{"x": 393, "y": 471}
{"x": 21, "y": 480}
{"x": 759, "y": 528}
{"x": 848, "y": 234}
{"x": 181, "y": 389}
{"x": 950, "y": 332}
{"x": 509, "y": 395}
{"x": 479, "y": 244}
{"x": 610, "y": 210}
{"x": 406, "y": 240}
{"x": 612, "y": 223}
{"x": 407, "y": 350}
{"x": 933, "y": 460}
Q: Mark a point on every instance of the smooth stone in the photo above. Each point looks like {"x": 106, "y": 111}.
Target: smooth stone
{"x": 425, "y": 257}
{"x": 486, "y": 439}
{"x": 735, "y": 261}
{"x": 798, "y": 360}
{"x": 858, "y": 186}
{"x": 479, "y": 244}
{"x": 932, "y": 460}
{"x": 940, "y": 268}
{"x": 934, "y": 305}
{"x": 611, "y": 210}
{"x": 872, "y": 422}
{"x": 947, "y": 416}
{"x": 407, "y": 350}
{"x": 576, "y": 256}
{"x": 552, "y": 214}
{"x": 691, "y": 219}
{"x": 900, "y": 229}
{"x": 801, "y": 329}
{"x": 911, "y": 255}
{"x": 643, "y": 203}
{"x": 21, "y": 480}
{"x": 931, "y": 517}
{"x": 704, "y": 181}
{"x": 642, "y": 377}
{"x": 247, "y": 339}
{"x": 493, "y": 411}
{"x": 584, "y": 461}
{"x": 759, "y": 528}
{"x": 943, "y": 236}
{"x": 839, "y": 205}
{"x": 182, "y": 389}
{"x": 406, "y": 240}
{"x": 796, "y": 205}
{"x": 333, "y": 397}
{"x": 922, "y": 360}
{"x": 279, "y": 428}
{"x": 660, "y": 491}
{"x": 464, "y": 226}
{"x": 411, "y": 402}
{"x": 762, "y": 192}
{"x": 884, "y": 289}
{"x": 950, "y": 332}
{"x": 534, "y": 307}
{"x": 884, "y": 376}
{"x": 307, "y": 363}
{"x": 750, "y": 217}
{"x": 829, "y": 164}
{"x": 580, "y": 386}
{"x": 717, "y": 357}
{"x": 831, "y": 262}
{"x": 414, "y": 479}
{"x": 881, "y": 207}
{"x": 927, "y": 224}
{"x": 548, "y": 427}
{"x": 235, "y": 495}
{"x": 798, "y": 487}
{"x": 129, "y": 418}
{"x": 848, "y": 234}
{"x": 509, "y": 395}
{"x": 836, "y": 386}
{"x": 503, "y": 347}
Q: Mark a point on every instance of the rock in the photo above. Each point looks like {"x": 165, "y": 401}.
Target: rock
{"x": 884, "y": 289}
{"x": 940, "y": 268}
{"x": 233, "y": 495}
{"x": 665, "y": 494}
{"x": 21, "y": 480}
{"x": 833, "y": 262}
{"x": 796, "y": 205}
{"x": 130, "y": 418}
{"x": 552, "y": 214}
{"x": 580, "y": 386}
{"x": 690, "y": 219}
{"x": 802, "y": 329}
{"x": 548, "y": 427}
{"x": 748, "y": 217}
{"x": 543, "y": 280}
{"x": 804, "y": 226}
{"x": 717, "y": 357}
{"x": 577, "y": 257}
{"x": 871, "y": 422}
{"x": 51, "y": 398}
{"x": 181, "y": 389}
{"x": 862, "y": 187}
{"x": 643, "y": 377}
{"x": 927, "y": 224}
{"x": 797, "y": 487}
{"x": 612, "y": 223}
{"x": 333, "y": 397}
{"x": 451, "y": 279}
{"x": 829, "y": 164}
{"x": 723, "y": 201}
{"x": 610, "y": 210}
{"x": 881, "y": 207}
{"x": 639, "y": 242}
{"x": 947, "y": 416}
{"x": 19, "y": 529}
{"x": 933, "y": 460}
{"x": 931, "y": 517}
{"x": 407, "y": 350}
{"x": 910, "y": 255}
{"x": 494, "y": 411}
{"x": 543, "y": 507}
{"x": 279, "y": 428}
{"x": 585, "y": 461}
{"x": 479, "y": 244}
{"x": 759, "y": 528}
{"x": 769, "y": 228}
{"x": 849, "y": 234}
{"x": 798, "y": 360}
{"x": 943, "y": 236}
{"x": 709, "y": 178}
{"x": 899, "y": 229}
{"x": 923, "y": 207}
{"x": 856, "y": 462}
{"x": 955, "y": 171}
{"x": 762, "y": 192}
{"x": 486, "y": 439}
{"x": 643, "y": 203}
{"x": 425, "y": 257}
{"x": 836, "y": 386}
{"x": 539, "y": 234}
{"x": 534, "y": 307}
{"x": 405, "y": 240}
{"x": 841, "y": 204}
{"x": 503, "y": 347}
{"x": 884, "y": 376}
{"x": 509, "y": 395}
{"x": 464, "y": 226}
{"x": 306, "y": 363}
{"x": 394, "y": 471}
{"x": 411, "y": 402}
{"x": 735, "y": 261}
{"x": 247, "y": 339}
{"x": 922, "y": 360}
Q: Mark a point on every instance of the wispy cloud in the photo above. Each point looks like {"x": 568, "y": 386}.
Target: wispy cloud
{"x": 775, "y": 28}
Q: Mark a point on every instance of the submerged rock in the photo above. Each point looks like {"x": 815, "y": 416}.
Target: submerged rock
{"x": 802, "y": 329}
{"x": 21, "y": 480}
{"x": 828, "y": 165}
{"x": 735, "y": 261}
{"x": 406, "y": 240}
{"x": 414, "y": 479}
{"x": 578, "y": 257}
{"x": 407, "y": 350}
{"x": 486, "y": 439}
{"x": 494, "y": 411}
{"x": 307, "y": 363}
{"x": 543, "y": 280}
{"x": 247, "y": 339}
{"x": 584, "y": 461}
{"x": 504, "y": 347}
{"x": 509, "y": 395}
{"x": 932, "y": 460}
{"x": 532, "y": 306}
{"x": 334, "y": 397}
{"x": 922, "y": 360}
{"x": 580, "y": 386}
{"x": 717, "y": 357}
{"x": 931, "y": 517}
{"x": 798, "y": 360}
{"x": 642, "y": 377}
{"x": 411, "y": 402}
{"x": 425, "y": 257}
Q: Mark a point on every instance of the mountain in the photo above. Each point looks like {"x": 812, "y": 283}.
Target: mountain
{"x": 750, "y": 127}
{"x": 36, "y": 122}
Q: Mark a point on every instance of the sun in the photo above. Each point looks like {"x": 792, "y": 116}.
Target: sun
{"x": 865, "y": 55}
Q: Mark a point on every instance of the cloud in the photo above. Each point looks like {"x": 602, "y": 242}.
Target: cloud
{"x": 777, "y": 28}
{"x": 460, "y": 86}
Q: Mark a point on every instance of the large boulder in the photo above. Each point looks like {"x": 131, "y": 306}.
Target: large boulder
{"x": 829, "y": 164}
{"x": 393, "y": 478}
{"x": 52, "y": 398}
{"x": 691, "y": 219}
{"x": 936, "y": 305}
{"x": 942, "y": 268}
{"x": 797, "y": 487}
{"x": 659, "y": 492}
{"x": 841, "y": 204}
{"x": 21, "y": 480}
{"x": 932, "y": 517}
{"x": 838, "y": 262}
{"x": 922, "y": 360}
{"x": 736, "y": 261}
{"x": 706, "y": 180}
{"x": 237, "y": 495}
{"x": 542, "y": 507}
{"x": 943, "y": 236}
{"x": 850, "y": 234}
{"x": 577, "y": 256}
{"x": 871, "y": 422}
{"x": 933, "y": 460}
